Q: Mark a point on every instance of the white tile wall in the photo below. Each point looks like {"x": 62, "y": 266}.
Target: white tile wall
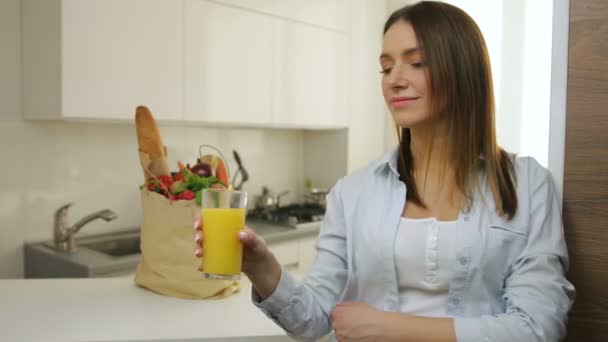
{"x": 325, "y": 157}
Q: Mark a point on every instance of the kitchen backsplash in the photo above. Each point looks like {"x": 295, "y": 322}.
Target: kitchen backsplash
{"x": 95, "y": 165}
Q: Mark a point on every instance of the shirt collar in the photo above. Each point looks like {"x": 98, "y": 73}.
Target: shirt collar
{"x": 388, "y": 160}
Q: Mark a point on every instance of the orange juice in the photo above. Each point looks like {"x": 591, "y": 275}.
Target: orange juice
{"x": 223, "y": 250}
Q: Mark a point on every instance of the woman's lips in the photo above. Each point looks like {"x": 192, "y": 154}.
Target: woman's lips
{"x": 401, "y": 102}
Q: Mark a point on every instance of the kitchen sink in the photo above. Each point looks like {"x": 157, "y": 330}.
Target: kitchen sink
{"x": 116, "y": 247}
{"x": 102, "y": 255}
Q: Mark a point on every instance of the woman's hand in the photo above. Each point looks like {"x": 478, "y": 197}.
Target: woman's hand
{"x": 259, "y": 264}
{"x": 356, "y": 321}
{"x": 255, "y": 251}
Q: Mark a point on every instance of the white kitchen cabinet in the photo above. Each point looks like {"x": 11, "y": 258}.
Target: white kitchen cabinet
{"x": 99, "y": 59}
{"x": 264, "y": 6}
{"x": 295, "y": 255}
{"x": 249, "y": 68}
{"x": 229, "y": 64}
{"x": 307, "y": 253}
{"x": 287, "y": 253}
{"x": 235, "y": 63}
{"x": 331, "y": 14}
{"x": 315, "y": 81}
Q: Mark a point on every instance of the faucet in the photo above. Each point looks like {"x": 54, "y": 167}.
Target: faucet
{"x": 64, "y": 235}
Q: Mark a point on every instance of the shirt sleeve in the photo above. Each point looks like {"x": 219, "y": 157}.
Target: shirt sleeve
{"x": 302, "y": 308}
{"x": 537, "y": 294}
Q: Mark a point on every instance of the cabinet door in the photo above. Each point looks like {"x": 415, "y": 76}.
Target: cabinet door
{"x": 332, "y": 14}
{"x": 229, "y": 64}
{"x": 266, "y": 6}
{"x": 119, "y": 54}
{"x": 315, "y": 81}
{"x": 308, "y": 253}
{"x": 287, "y": 253}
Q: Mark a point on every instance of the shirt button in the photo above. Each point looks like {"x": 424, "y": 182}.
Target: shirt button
{"x": 467, "y": 218}
{"x": 463, "y": 261}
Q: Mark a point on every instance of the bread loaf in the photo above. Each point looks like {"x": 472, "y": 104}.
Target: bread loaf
{"x": 152, "y": 151}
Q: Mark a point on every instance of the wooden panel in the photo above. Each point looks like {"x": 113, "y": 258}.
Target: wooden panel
{"x": 586, "y": 169}
{"x": 589, "y": 218}
{"x": 586, "y": 136}
{"x": 588, "y": 33}
{"x": 587, "y": 9}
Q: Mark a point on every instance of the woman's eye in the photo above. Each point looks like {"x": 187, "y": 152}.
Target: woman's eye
{"x": 417, "y": 65}
{"x": 385, "y": 71}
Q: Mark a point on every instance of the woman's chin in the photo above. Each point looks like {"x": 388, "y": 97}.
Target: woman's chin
{"x": 409, "y": 123}
{"x": 409, "y": 119}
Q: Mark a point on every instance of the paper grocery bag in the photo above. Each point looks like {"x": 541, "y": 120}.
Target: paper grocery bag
{"x": 168, "y": 265}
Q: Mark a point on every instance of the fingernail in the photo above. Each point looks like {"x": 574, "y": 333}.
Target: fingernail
{"x": 243, "y": 236}
{"x": 197, "y": 238}
{"x": 197, "y": 253}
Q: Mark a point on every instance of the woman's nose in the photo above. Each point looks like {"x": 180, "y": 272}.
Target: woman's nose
{"x": 398, "y": 78}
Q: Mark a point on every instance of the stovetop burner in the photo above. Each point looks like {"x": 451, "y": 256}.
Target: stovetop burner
{"x": 290, "y": 214}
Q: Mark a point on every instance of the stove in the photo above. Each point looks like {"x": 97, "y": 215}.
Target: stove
{"x": 290, "y": 215}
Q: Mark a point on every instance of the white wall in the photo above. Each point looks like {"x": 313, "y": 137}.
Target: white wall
{"x": 325, "y": 160}
{"x": 559, "y": 85}
{"x": 367, "y": 118}
{"x": 536, "y": 89}
{"x": 47, "y": 164}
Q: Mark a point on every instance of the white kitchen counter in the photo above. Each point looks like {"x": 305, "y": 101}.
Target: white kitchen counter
{"x": 115, "y": 309}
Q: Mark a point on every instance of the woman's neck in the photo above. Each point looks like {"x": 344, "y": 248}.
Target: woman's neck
{"x": 429, "y": 148}
{"x": 434, "y": 172}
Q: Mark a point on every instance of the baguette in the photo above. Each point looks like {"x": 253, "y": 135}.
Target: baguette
{"x": 152, "y": 151}
{"x": 148, "y": 134}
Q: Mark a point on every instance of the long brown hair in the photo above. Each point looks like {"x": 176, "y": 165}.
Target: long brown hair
{"x": 460, "y": 82}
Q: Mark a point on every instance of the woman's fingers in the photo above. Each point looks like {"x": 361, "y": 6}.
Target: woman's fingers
{"x": 252, "y": 241}
{"x": 198, "y": 224}
{"x": 198, "y": 244}
{"x": 247, "y": 237}
{"x": 198, "y": 239}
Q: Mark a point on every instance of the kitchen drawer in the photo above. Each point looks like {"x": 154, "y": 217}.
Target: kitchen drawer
{"x": 287, "y": 253}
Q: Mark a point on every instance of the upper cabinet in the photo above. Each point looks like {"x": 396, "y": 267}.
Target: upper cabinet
{"x": 261, "y": 6}
{"x": 263, "y": 63}
{"x": 315, "y": 84}
{"x": 330, "y": 14}
{"x": 247, "y": 66}
{"x": 229, "y": 64}
{"x": 99, "y": 59}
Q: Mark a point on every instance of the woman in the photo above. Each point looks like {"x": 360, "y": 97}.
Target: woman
{"x": 449, "y": 237}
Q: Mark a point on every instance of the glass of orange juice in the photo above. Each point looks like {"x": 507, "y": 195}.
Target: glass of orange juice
{"x": 223, "y": 215}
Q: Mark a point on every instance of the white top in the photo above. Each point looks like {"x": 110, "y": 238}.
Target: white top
{"x": 424, "y": 258}
{"x": 115, "y": 309}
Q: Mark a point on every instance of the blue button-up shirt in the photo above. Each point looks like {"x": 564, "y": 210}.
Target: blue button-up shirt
{"x": 508, "y": 283}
